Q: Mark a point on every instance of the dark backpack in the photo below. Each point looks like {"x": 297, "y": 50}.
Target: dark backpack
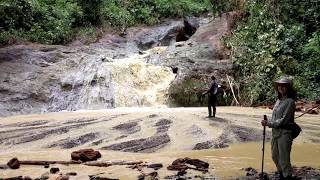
{"x": 295, "y": 129}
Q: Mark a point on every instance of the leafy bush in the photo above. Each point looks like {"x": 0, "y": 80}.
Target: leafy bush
{"x": 174, "y": 8}
{"x": 271, "y": 44}
{"x": 87, "y": 34}
{"x": 310, "y": 68}
{"x": 45, "y": 21}
{"x": 115, "y": 13}
{"x": 188, "y": 93}
{"x": 15, "y": 14}
{"x": 53, "y": 20}
{"x": 56, "y": 21}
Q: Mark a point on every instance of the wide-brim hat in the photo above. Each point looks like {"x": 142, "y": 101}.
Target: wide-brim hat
{"x": 284, "y": 80}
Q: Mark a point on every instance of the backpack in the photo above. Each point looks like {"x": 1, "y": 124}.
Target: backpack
{"x": 295, "y": 129}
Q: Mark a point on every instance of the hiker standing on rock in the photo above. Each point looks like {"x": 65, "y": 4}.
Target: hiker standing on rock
{"x": 212, "y": 97}
{"x": 282, "y": 116}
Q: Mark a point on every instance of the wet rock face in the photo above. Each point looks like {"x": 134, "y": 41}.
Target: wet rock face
{"x": 160, "y": 36}
{"x": 115, "y": 71}
{"x": 191, "y": 25}
{"x": 33, "y": 81}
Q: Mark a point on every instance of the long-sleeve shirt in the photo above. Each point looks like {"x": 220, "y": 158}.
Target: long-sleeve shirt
{"x": 213, "y": 88}
{"x": 283, "y": 114}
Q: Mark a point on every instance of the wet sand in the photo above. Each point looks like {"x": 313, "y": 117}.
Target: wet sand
{"x": 54, "y": 136}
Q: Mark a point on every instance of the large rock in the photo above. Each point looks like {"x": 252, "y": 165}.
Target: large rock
{"x": 85, "y": 155}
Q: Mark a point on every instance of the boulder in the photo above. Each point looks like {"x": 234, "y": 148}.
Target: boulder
{"x": 85, "y": 155}
{"x": 14, "y": 163}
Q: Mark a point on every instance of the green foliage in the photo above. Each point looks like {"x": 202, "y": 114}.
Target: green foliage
{"x": 56, "y": 21}
{"x": 115, "y": 13}
{"x": 87, "y": 34}
{"x": 271, "y": 44}
{"x": 15, "y": 14}
{"x": 174, "y": 8}
{"x": 310, "y": 67}
{"x": 44, "y": 21}
{"x": 221, "y": 6}
{"x": 53, "y": 20}
{"x": 188, "y": 93}
{"x": 91, "y": 12}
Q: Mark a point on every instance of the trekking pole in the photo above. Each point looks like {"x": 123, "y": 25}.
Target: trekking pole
{"x": 264, "y": 137}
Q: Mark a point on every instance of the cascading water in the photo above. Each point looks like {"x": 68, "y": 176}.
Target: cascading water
{"x": 135, "y": 70}
{"x": 137, "y": 83}
{"x": 101, "y": 82}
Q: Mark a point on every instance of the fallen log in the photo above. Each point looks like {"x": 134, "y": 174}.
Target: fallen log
{"x": 110, "y": 163}
{"x": 42, "y": 163}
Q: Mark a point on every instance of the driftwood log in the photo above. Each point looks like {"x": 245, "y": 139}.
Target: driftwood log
{"x": 110, "y": 163}
{"x": 42, "y": 163}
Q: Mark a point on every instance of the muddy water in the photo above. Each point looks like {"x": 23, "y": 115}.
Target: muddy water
{"x": 188, "y": 127}
{"x": 224, "y": 163}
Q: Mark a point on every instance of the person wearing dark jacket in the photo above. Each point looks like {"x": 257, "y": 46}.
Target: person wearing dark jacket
{"x": 212, "y": 97}
{"x": 282, "y": 116}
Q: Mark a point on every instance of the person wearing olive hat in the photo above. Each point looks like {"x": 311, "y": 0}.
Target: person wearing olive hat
{"x": 282, "y": 116}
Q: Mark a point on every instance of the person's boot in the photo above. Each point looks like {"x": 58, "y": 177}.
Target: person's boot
{"x": 292, "y": 178}
{"x": 281, "y": 177}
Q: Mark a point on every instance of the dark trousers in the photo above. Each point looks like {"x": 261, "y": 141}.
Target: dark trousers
{"x": 212, "y": 101}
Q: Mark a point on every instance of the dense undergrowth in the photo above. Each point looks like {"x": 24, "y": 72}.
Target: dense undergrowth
{"x": 60, "y": 21}
{"x": 277, "y": 38}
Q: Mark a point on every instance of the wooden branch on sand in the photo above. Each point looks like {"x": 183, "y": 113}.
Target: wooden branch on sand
{"x": 110, "y": 163}
{"x": 230, "y": 84}
{"x": 42, "y": 163}
{"x": 91, "y": 163}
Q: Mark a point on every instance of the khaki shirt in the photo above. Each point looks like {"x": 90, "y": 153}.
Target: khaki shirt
{"x": 283, "y": 114}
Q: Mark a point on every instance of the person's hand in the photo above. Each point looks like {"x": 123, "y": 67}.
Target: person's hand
{"x": 264, "y": 122}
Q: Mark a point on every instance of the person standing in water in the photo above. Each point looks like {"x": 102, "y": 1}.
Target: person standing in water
{"x": 212, "y": 97}
{"x": 282, "y": 116}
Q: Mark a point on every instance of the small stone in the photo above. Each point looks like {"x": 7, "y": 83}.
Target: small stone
{"x": 14, "y": 163}
{"x": 44, "y": 177}
{"x": 71, "y": 174}
{"x": 54, "y": 170}
{"x": 181, "y": 173}
{"x": 155, "y": 166}
{"x": 27, "y": 178}
{"x": 46, "y": 166}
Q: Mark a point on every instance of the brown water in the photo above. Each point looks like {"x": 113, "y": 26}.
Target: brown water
{"x": 224, "y": 163}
